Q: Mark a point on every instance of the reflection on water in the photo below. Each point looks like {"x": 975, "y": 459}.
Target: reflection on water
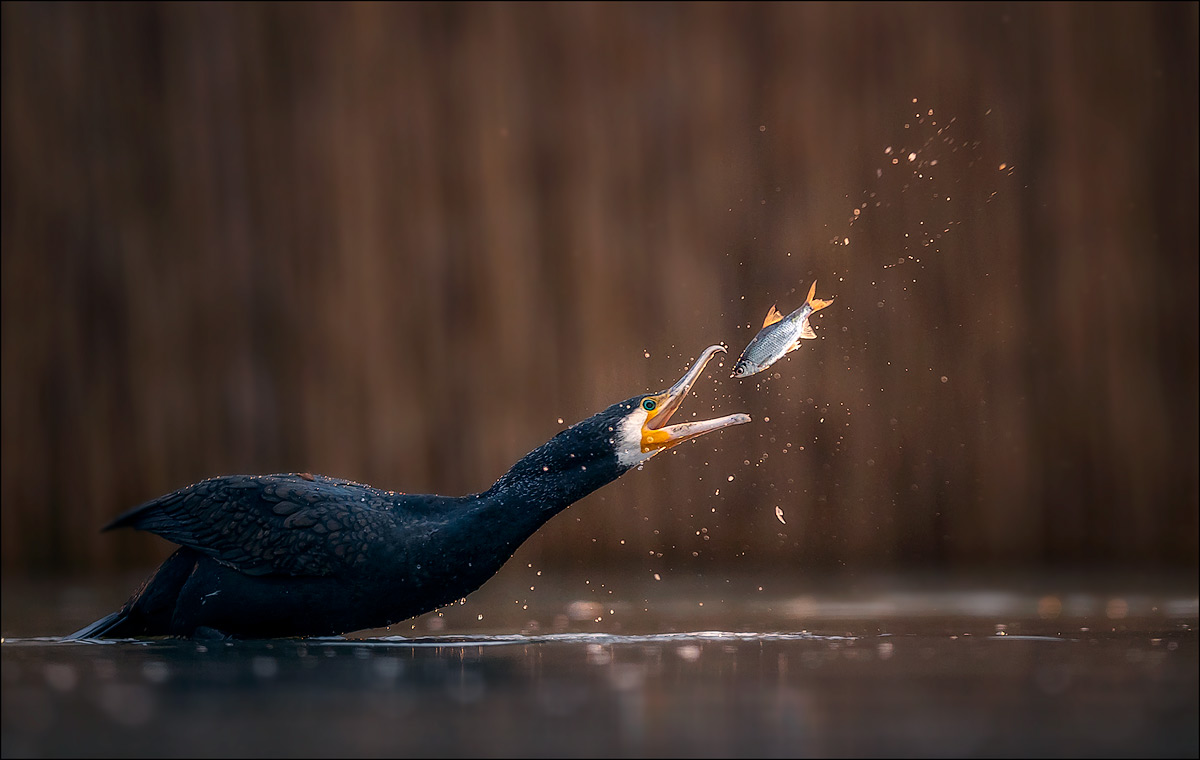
{"x": 935, "y": 674}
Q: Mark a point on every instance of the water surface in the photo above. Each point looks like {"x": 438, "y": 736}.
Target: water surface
{"x": 909, "y": 671}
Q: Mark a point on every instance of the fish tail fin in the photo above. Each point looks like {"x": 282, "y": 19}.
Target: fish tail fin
{"x": 816, "y": 303}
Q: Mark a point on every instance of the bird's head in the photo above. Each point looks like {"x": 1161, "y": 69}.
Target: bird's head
{"x": 596, "y": 450}
{"x": 642, "y": 426}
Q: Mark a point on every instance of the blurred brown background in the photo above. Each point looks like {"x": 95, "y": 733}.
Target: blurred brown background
{"x": 397, "y": 243}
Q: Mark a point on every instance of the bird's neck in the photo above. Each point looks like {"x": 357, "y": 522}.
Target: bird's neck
{"x": 550, "y": 478}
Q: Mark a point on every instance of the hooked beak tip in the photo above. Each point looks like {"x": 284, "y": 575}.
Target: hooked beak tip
{"x": 658, "y": 435}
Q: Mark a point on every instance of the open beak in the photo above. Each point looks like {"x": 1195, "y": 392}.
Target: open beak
{"x": 657, "y": 435}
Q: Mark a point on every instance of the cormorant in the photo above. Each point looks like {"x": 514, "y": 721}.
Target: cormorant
{"x": 308, "y": 555}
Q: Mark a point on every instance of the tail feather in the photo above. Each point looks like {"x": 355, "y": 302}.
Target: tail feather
{"x": 816, "y": 303}
{"x": 109, "y": 625}
{"x": 151, "y": 609}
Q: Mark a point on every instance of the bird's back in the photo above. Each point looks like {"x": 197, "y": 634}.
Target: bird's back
{"x": 291, "y": 524}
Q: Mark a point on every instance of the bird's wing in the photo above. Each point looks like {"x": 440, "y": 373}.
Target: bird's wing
{"x": 259, "y": 525}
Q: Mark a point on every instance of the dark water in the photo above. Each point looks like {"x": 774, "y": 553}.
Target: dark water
{"x": 909, "y": 671}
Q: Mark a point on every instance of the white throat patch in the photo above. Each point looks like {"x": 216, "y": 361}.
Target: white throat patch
{"x": 627, "y": 439}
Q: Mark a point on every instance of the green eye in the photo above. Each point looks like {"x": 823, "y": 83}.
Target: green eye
{"x": 649, "y": 405}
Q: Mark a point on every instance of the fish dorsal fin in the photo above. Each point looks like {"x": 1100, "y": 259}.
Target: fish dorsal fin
{"x": 773, "y": 316}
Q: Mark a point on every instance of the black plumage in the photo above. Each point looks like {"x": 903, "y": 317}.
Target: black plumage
{"x": 308, "y": 555}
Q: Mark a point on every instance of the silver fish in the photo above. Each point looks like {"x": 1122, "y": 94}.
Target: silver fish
{"x": 779, "y": 336}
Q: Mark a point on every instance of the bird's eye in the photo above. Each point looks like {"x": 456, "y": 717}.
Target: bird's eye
{"x": 649, "y": 405}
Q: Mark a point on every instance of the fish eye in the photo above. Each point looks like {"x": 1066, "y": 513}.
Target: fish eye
{"x": 649, "y": 404}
